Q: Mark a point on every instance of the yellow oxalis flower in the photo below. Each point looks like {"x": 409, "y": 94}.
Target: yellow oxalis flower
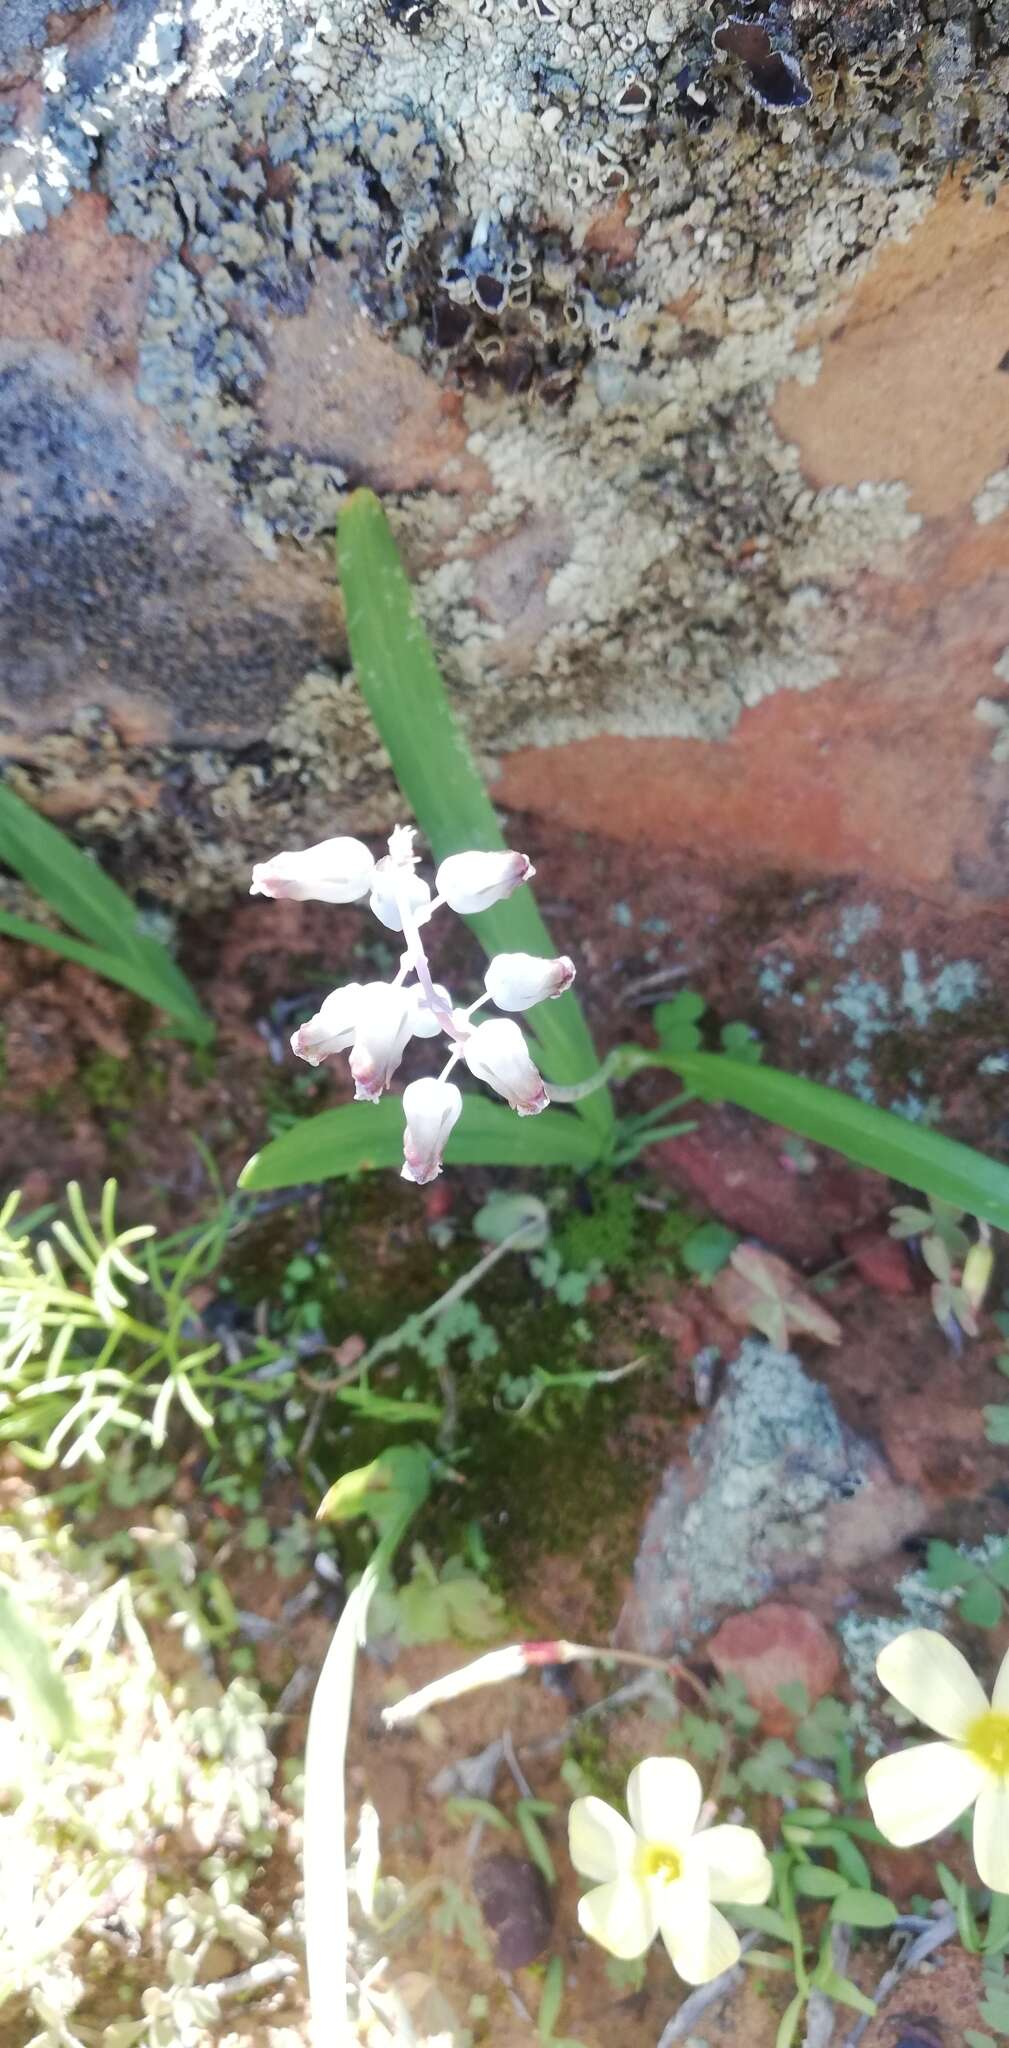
{"x": 919, "y": 1792}
{"x": 657, "y": 1876}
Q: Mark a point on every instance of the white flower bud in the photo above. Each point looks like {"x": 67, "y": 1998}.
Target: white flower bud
{"x": 425, "y": 1023}
{"x": 332, "y": 1028}
{"x": 382, "y": 1031}
{"x": 413, "y": 888}
{"x": 470, "y": 882}
{"x": 432, "y": 1109}
{"x": 515, "y": 981}
{"x": 497, "y": 1053}
{"x": 335, "y": 871}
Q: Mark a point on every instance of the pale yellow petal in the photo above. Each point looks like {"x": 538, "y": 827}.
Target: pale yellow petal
{"x": 664, "y": 1799}
{"x": 736, "y": 1864}
{"x": 933, "y": 1681}
{"x": 620, "y": 1917}
{"x": 991, "y": 1834}
{"x": 1000, "y": 1696}
{"x": 921, "y": 1791}
{"x": 600, "y": 1841}
{"x": 700, "y": 1941}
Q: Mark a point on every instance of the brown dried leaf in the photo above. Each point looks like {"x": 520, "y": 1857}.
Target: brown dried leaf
{"x": 760, "y": 1291}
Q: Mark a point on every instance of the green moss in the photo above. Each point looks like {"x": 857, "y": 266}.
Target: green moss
{"x": 564, "y": 1478}
{"x": 605, "y": 1226}
{"x": 106, "y": 1081}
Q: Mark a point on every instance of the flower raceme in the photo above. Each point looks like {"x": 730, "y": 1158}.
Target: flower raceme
{"x": 918, "y": 1792}
{"x": 656, "y": 1874}
{"x": 375, "y": 1021}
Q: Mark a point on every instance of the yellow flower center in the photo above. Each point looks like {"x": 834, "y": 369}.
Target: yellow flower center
{"x": 988, "y": 1740}
{"x": 655, "y": 1860}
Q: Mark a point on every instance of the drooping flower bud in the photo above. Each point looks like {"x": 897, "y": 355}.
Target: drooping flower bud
{"x": 382, "y": 1031}
{"x": 425, "y": 1023}
{"x": 432, "y": 1109}
{"x": 332, "y": 1028}
{"x": 497, "y": 1053}
{"x": 469, "y": 882}
{"x": 335, "y": 871}
{"x": 515, "y": 981}
{"x": 391, "y": 881}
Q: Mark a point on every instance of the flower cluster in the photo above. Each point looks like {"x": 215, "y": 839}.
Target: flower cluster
{"x": 374, "y": 1021}
{"x": 659, "y": 1873}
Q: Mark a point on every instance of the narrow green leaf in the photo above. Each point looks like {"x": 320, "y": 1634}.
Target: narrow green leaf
{"x": 535, "y": 1840}
{"x": 366, "y": 1135}
{"x": 386, "y": 1408}
{"x": 763, "y": 1919}
{"x": 843, "y": 1990}
{"x": 550, "y": 2001}
{"x": 404, "y": 691}
{"x": 132, "y": 971}
{"x": 863, "y": 1909}
{"x": 814, "y": 1881}
{"x": 849, "y": 1858}
{"x": 466, "y": 1807}
{"x": 74, "y": 884}
{"x": 908, "y": 1152}
{"x": 37, "y": 1684}
{"x": 995, "y": 2011}
{"x": 788, "y": 2025}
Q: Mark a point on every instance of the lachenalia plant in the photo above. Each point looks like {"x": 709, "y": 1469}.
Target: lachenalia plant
{"x": 374, "y": 1022}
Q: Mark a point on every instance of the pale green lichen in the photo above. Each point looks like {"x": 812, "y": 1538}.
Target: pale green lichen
{"x": 992, "y": 499}
{"x": 770, "y": 1463}
{"x": 578, "y": 220}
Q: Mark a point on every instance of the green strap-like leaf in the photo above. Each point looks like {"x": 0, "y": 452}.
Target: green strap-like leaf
{"x": 83, "y": 894}
{"x": 366, "y": 1135}
{"x": 405, "y": 694}
{"x": 143, "y": 974}
{"x": 908, "y": 1152}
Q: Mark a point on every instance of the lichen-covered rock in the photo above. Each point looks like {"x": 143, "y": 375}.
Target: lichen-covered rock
{"x": 679, "y": 371}
{"x": 776, "y": 1484}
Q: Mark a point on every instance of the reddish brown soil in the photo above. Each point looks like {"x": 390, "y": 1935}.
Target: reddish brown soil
{"x": 91, "y": 1089}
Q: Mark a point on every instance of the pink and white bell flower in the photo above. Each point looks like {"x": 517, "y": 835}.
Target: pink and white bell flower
{"x": 335, "y": 871}
{"x": 516, "y": 981}
{"x": 425, "y": 1023}
{"x": 497, "y": 1053}
{"x": 383, "y": 1028}
{"x": 469, "y": 882}
{"x": 433, "y": 1108}
{"x": 392, "y": 885}
{"x": 332, "y": 1029}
